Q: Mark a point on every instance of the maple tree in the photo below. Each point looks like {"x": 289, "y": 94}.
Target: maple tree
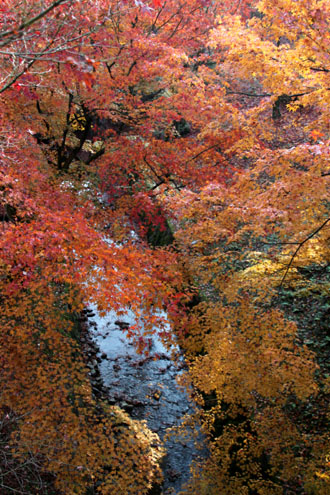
{"x": 67, "y": 94}
{"x": 120, "y": 116}
{"x": 253, "y": 237}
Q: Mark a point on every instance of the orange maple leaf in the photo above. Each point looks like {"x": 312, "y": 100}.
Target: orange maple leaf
{"x": 315, "y": 135}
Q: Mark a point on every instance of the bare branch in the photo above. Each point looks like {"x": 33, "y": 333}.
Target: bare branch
{"x": 300, "y": 245}
{"x": 16, "y": 33}
{"x": 201, "y": 153}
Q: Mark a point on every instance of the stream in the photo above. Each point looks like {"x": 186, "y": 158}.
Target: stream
{"x": 146, "y": 387}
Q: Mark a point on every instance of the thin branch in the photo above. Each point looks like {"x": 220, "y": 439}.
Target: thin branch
{"x": 175, "y": 29}
{"x": 17, "y": 76}
{"x": 162, "y": 179}
{"x": 264, "y": 95}
{"x": 109, "y": 67}
{"x": 300, "y": 245}
{"x": 159, "y": 177}
{"x": 59, "y": 48}
{"x": 170, "y": 18}
{"x": 153, "y": 28}
{"x": 133, "y": 64}
{"x": 15, "y": 33}
{"x": 29, "y": 65}
{"x": 201, "y": 152}
{"x": 319, "y": 69}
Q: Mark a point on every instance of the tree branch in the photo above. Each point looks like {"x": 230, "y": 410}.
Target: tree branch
{"x": 16, "y": 33}
{"x": 201, "y": 152}
{"x": 300, "y": 245}
{"x": 264, "y": 95}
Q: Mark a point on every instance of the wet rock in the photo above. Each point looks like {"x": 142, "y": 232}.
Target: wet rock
{"x": 88, "y": 312}
{"x": 155, "y": 490}
{"x": 138, "y": 403}
{"x": 172, "y": 474}
{"x": 126, "y": 406}
{"x": 123, "y": 325}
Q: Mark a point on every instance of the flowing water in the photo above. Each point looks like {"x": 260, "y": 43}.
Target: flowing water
{"x": 146, "y": 386}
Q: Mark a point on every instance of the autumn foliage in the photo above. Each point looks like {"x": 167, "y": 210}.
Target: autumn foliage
{"x": 204, "y": 124}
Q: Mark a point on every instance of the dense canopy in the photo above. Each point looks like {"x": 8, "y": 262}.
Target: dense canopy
{"x": 194, "y": 135}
